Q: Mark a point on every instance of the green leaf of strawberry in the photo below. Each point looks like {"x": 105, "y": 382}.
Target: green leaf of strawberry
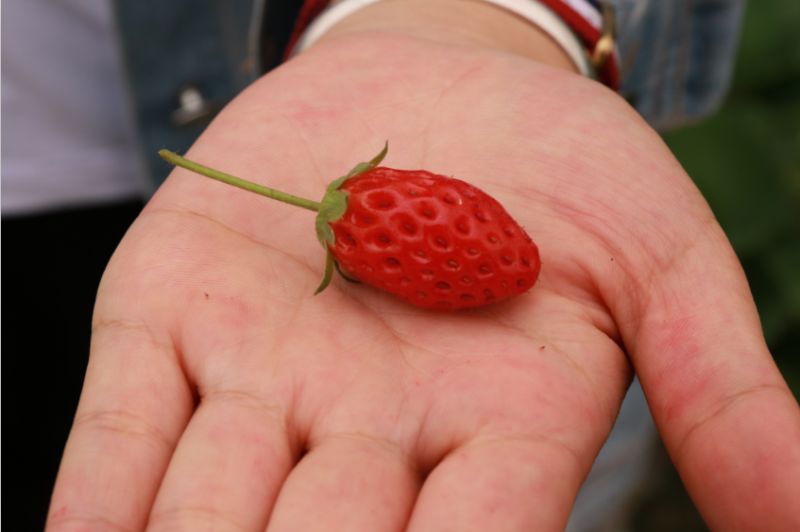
{"x": 332, "y": 207}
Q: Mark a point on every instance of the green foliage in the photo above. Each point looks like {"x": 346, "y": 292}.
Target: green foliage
{"x": 769, "y": 54}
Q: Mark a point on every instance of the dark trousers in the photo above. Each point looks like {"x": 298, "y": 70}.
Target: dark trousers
{"x": 51, "y": 266}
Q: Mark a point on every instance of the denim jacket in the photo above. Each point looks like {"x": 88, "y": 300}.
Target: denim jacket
{"x": 186, "y": 58}
{"x": 676, "y": 56}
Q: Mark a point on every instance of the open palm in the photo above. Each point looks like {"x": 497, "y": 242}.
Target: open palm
{"x": 221, "y": 393}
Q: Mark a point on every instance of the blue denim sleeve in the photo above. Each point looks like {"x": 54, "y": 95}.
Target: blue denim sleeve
{"x": 676, "y": 56}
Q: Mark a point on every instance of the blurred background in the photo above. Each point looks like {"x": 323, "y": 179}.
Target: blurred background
{"x": 746, "y": 161}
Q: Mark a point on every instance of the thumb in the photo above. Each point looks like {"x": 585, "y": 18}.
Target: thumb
{"x": 727, "y": 417}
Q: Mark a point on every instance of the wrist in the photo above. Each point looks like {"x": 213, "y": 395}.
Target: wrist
{"x": 469, "y": 23}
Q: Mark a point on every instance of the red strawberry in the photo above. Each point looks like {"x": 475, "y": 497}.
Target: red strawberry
{"x": 434, "y": 241}
{"x": 431, "y": 240}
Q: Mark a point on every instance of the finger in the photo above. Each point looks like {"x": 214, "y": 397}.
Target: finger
{"x": 725, "y": 413}
{"x": 134, "y": 406}
{"x": 501, "y": 484}
{"x": 348, "y": 482}
{"x": 228, "y": 466}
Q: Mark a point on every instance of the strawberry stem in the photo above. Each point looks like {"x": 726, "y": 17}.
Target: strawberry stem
{"x": 177, "y": 160}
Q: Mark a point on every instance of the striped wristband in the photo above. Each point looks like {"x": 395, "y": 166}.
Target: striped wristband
{"x": 584, "y": 29}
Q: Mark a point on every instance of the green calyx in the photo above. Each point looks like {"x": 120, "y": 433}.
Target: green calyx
{"x": 330, "y": 209}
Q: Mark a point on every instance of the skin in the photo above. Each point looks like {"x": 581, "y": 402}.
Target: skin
{"x": 222, "y": 395}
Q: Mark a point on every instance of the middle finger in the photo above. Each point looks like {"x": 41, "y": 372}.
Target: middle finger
{"x": 348, "y": 482}
{"x": 228, "y": 467}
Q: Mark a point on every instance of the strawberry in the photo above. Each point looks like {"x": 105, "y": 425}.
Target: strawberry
{"x": 434, "y": 241}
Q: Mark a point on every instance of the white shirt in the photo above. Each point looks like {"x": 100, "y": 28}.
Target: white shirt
{"x": 67, "y": 128}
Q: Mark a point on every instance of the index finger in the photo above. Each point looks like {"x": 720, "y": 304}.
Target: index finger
{"x": 134, "y": 406}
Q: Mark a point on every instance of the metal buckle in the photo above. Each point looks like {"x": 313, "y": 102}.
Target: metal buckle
{"x": 604, "y": 47}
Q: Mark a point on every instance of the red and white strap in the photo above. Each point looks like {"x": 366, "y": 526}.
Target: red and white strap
{"x": 595, "y": 29}
{"x": 583, "y": 32}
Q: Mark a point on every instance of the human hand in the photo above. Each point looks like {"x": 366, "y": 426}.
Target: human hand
{"x": 222, "y": 394}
